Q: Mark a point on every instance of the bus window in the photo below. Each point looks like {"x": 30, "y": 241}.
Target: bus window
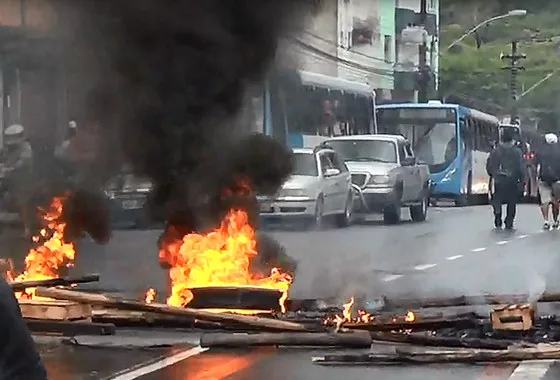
{"x": 252, "y": 114}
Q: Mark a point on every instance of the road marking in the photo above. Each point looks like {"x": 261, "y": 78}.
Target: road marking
{"x": 136, "y": 372}
{"x": 425, "y": 266}
{"x": 522, "y": 236}
{"x": 392, "y": 277}
{"x": 531, "y": 369}
{"x": 451, "y": 258}
{"x": 479, "y": 249}
{"x": 502, "y": 242}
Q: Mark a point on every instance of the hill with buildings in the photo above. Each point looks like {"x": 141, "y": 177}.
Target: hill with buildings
{"x": 472, "y": 70}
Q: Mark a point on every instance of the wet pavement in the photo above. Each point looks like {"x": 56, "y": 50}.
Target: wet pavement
{"x": 454, "y": 253}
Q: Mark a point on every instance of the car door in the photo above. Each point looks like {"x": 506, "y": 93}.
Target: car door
{"x": 328, "y": 184}
{"x": 415, "y": 179}
{"x": 405, "y": 170}
{"x": 343, "y": 181}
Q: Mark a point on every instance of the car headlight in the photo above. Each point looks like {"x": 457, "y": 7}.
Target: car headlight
{"x": 379, "y": 179}
{"x": 293, "y": 193}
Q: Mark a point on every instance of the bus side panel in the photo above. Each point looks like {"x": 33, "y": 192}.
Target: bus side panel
{"x": 480, "y": 178}
{"x": 447, "y": 184}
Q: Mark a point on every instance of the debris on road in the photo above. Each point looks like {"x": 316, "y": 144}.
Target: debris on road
{"x": 513, "y": 317}
{"x": 469, "y": 356}
{"x": 349, "y": 339}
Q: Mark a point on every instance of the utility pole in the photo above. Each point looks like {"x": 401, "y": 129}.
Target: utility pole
{"x": 514, "y": 67}
{"x": 424, "y": 75}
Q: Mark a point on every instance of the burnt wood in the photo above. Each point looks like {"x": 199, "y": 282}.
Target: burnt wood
{"x": 21, "y": 286}
{"x": 439, "y": 341}
{"x": 66, "y": 328}
{"x": 116, "y": 303}
{"x": 468, "y": 356}
{"x": 246, "y": 298}
{"x": 356, "y": 339}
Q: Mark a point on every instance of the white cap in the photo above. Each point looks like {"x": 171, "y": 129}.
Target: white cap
{"x": 551, "y": 138}
{"x": 14, "y": 135}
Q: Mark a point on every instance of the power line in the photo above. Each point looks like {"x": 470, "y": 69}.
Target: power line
{"x": 343, "y": 47}
{"x": 355, "y": 65}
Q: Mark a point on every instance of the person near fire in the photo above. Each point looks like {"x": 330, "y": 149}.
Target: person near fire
{"x": 548, "y": 169}
{"x": 17, "y": 170}
{"x": 506, "y": 169}
{"x": 19, "y": 358}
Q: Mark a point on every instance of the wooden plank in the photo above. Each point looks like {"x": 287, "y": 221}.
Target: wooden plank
{"x": 68, "y": 328}
{"x": 54, "y": 310}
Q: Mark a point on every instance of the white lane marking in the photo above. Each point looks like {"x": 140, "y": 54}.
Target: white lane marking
{"x": 136, "y": 372}
{"x": 392, "y": 277}
{"x": 479, "y": 249}
{"x": 451, "y": 258}
{"x": 424, "y": 266}
{"x": 502, "y": 242}
{"x": 531, "y": 370}
{"x": 522, "y": 236}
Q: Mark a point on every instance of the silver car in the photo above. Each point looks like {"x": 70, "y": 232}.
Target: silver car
{"x": 320, "y": 187}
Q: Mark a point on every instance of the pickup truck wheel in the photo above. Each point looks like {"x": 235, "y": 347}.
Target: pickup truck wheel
{"x": 419, "y": 212}
{"x": 345, "y": 219}
{"x": 392, "y": 213}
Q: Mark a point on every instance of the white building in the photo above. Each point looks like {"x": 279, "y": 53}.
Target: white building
{"x": 354, "y": 40}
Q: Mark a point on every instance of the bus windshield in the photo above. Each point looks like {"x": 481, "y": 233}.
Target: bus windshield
{"x": 304, "y": 164}
{"x": 433, "y": 136}
{"x": 365, "y": 150}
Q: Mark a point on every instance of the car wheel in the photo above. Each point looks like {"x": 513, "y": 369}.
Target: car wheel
{"x": 392, "y": 213}
{"x": 319, "y": 218}
{"x": 419, "y": 212}
{"x": 345, "y": 219}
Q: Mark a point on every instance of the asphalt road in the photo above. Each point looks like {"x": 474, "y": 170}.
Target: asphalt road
{"x": 455, "y": 252}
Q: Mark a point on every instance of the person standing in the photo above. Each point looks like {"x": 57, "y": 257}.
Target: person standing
{"x": 506, "y": 169}
{"x": 548, "y": 168}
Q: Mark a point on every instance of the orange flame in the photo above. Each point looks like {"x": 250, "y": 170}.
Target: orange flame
{"x": 150, "y": 295}
{"x": 45, "y": 261}
{"x": 410, "y": 317}
{"x": 219, "y": 258}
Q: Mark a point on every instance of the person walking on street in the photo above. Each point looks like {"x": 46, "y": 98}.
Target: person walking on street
{"x": 506, "y": 169}
{"x": 548, "y": 167}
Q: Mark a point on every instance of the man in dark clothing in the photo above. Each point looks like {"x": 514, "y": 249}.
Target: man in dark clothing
{"x": 506, "y": 169}
{"x": 19, "y": 359}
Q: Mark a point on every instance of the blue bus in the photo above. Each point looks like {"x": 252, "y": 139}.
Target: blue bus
{"x": 303, "y": 109}
{"x": 453, "y": 140}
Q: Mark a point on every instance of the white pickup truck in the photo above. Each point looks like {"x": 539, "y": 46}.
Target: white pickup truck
{"x": 386, "y": 175}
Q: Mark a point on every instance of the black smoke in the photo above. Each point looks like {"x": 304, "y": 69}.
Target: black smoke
{"x": 164, "y": 82}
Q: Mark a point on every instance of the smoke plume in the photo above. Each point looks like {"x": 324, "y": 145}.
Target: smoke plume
{"x": 165, "y": 81}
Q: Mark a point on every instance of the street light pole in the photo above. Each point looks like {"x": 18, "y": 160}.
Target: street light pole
{"x": 422, "y": 51}
{"x": 512, "y": 13}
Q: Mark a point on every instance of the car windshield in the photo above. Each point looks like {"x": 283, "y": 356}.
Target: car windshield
{"x": 365, "y": 150}
{"x": 304, "y": 164}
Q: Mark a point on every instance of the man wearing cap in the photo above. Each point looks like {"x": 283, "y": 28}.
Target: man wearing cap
{"x": 548, "y": 167}
{"x": 17, "y": 160}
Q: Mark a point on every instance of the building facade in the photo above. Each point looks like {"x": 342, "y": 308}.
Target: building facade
{"x": 408, "y": 38}
{"x": 354, "y": 40}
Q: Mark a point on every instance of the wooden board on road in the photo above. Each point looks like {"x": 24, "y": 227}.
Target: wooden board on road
{"x": 54, "y": 310}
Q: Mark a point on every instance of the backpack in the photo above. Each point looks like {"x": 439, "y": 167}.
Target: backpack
{"x": 507, "y": 164}
{"x": 550, "y": 170}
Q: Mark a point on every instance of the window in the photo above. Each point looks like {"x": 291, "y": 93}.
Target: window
{"x": 325, "y": 163}
{"x": 402, "y": 152}
{"x": 365, "y": 150}
{"x": 387, "y": 45}
{"x": 338, "y": 162}
{"x": 304, "y": 164}
{"x": 408, "y": 150}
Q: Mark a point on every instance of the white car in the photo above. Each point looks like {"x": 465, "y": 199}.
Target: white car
{"x": 320, "y": 187}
